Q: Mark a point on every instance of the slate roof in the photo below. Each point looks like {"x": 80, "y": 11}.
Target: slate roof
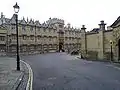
{"x": 31, "y": 22}
{"x": 37, "y": 23}
{"x": 23, "y": 22}
{"x": 12, "y": 20}
{"x": 3, "y": 27}
{"x": 116, "y": 22}
{"x": 95, "y": 30}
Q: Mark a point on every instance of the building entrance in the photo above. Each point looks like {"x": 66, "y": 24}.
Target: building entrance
{"x": 61, "y": 47}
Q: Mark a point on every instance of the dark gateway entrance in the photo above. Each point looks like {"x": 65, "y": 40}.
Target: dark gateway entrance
{"x": 61, "y": 47}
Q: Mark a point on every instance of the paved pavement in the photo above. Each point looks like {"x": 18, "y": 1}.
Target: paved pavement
{"x": 59, "y": 71}
{"x": 10, "y": 78}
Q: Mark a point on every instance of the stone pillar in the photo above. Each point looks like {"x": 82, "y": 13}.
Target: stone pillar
{"x": 101, "y": 45}
{"x": 83, "y": 41}
{"x": 102, "y": 25}
{"x": 101, "y": 40}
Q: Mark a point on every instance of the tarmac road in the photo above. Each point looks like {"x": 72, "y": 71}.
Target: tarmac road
{"x": 59, "y": 71}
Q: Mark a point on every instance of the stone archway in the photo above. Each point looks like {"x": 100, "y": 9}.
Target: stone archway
{"x": 60, "y": 46}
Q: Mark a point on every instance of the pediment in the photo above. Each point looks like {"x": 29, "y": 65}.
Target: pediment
{"x": 12, "y": 20}
{"x": 37, "y": 23}
{"x": 31, "y": 22}
{"x": 23, "y": 21}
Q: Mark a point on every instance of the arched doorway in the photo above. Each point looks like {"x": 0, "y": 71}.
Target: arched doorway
{"x": 119, "y": 49}
{"x": 60, "y": 47}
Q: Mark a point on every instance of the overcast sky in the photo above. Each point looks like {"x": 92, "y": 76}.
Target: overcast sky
{"x": 76, "y": 12}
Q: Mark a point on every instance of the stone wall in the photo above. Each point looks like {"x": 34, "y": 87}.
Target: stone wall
{"x": 98, "y": 45}
{"x": 92, "y": 55}
{"x": 92, "y": 42}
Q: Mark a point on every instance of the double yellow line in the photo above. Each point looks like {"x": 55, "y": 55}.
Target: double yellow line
{"x": 30, "y": 79}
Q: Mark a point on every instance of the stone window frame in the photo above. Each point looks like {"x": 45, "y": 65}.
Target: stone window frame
{"x": 72, "y": 32}
{"x": 39, "y": 37}
{"x": 66, "y": 38}
{"x": 50, "y": 38}
{"x": 38, "y": 28}
{"x": 44, "y": 30}
{"x": 13, "y": 27}
{"x": 14, "y": 37}
{"x": 49, "y": 30}
{"x": 72, "y": 38}
{"x": 23, "y": 27}
{"x": 2, "y": 38}
{"x": 31, "y": 37}
{"x": 65, "y": 32}
{"x": 24, "y": 37}
{"x": 60, "y": 26}
{"x": 54, "y": 30}
{"x": 31, "y": 28}
{"x": 69, "y": 32}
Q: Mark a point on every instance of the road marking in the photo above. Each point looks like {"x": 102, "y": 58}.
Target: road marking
{"x": 30, "y": 79}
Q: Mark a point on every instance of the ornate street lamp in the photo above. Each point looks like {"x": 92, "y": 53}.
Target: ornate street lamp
{"x": 16, "y": 9}
{"x": 111, "y": 53}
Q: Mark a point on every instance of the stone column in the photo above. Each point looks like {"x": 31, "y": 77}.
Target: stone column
{"x": 101, "y": 40}
{"x": 83, "y": 42}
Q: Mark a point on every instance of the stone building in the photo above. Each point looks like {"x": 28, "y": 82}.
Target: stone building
{"x": 54, "y": 35}
{"x": 100, "y": 42}
{"x": 3, "y": 40}
{"x": 34, "y": 37}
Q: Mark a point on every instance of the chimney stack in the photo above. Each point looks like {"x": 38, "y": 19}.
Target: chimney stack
{"x": 102, "y": 25}
{"x": 83, "y": 27}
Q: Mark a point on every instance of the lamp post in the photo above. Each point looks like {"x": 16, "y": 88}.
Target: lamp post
{"x": 111, "y": 54}
{"x": 35, "y": 40}
{"x": 16, "y": 9}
